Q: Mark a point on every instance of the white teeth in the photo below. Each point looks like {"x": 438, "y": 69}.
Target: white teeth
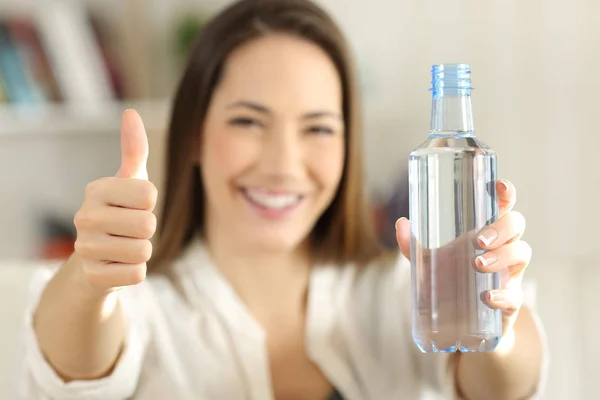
{"x": 274, "y": 201}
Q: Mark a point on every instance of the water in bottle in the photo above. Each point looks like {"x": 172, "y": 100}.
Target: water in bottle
{"x": 452, "y": 198}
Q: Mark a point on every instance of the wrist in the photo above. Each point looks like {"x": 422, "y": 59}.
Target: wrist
{"x": 81, "y": 286}
{"x": 507, "y": 343}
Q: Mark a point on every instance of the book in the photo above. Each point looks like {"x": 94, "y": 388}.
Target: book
{"x": 33, "y": 56}
{"x": 2, "y": 91}
{"x": 110, "y": 62}
{"x": 74, "y": 54}
{"x": 18, "y": 83}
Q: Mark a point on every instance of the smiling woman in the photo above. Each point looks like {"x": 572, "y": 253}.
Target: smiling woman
{"x": 315, "y": 119}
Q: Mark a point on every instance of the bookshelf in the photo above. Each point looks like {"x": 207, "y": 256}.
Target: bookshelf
{"x": 61, "y": 119}
{"x": 62, "y": 93}
{"x": 93, "y": 52}
{"x": 68, "y": 70}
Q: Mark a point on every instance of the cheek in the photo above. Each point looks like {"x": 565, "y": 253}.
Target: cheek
{"x": 327, "y": 163}
{"x": 224, "y": 155}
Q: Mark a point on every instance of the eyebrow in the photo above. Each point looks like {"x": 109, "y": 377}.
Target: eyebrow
{"x": 250, "y": 104}
{"x": 265, "y": 110}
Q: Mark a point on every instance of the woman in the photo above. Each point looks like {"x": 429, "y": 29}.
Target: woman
{"x": 267, "y": 280}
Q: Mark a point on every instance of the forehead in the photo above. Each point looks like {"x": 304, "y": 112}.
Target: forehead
{"x": 282, "y": 71}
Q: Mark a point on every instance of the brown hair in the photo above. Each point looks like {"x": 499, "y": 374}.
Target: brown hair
{"x": 344, "y": 233}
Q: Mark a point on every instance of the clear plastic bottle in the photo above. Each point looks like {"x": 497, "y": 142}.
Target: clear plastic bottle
{"x": 452, "y": 198}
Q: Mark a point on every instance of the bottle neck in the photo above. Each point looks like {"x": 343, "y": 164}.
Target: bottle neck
{"x": 452, "y": 114}
{"x": 451, "y": 111}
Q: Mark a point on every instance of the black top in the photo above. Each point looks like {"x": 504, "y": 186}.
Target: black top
{"x": 336, "y": 396}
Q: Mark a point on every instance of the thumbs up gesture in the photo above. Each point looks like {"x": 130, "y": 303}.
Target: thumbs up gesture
{"x": 115, "y": 221}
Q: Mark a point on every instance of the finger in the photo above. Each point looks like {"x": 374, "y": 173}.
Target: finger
{"x": 507, "y": 300}
{"x": 102, "y": 275}
{"x": 508, "y": 228}
{"x": 134, "y": 147}
{"x": 128, "y": 193}
{"x": 403, "y": 236}
{"x": 507, "y": 196}
{"x": 114, "y": 249}
{"x": 513, "y": 256}
{"x": 117, "y": 221}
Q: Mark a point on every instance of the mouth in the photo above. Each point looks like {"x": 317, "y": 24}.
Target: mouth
{"x": 269, "y": 200}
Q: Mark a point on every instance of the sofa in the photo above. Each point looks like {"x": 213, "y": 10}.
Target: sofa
{"x": 14, "y": 284}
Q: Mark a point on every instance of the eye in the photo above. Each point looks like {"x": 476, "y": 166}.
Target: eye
{"x": 245, "y": 122}
{"x": 320, "y": 130}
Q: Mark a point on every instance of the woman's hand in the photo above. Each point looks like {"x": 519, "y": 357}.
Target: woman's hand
{"x": 115, "y": 223}
{"x": 505, "y": 252}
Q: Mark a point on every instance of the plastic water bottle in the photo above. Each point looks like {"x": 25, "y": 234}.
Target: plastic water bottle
{"x": 452, "y": 198}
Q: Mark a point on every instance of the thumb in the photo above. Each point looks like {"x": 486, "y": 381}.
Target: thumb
{"x": 403, "y": 236}
{"x": 134, "y": 147}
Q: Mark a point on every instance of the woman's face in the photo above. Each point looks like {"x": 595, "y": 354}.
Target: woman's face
{"x": 272, "y": 153}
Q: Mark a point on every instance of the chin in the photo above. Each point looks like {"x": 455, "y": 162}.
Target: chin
{"x": 275, "y": 241}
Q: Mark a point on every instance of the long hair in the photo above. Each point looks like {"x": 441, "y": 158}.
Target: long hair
{"x": 345, "y": 232}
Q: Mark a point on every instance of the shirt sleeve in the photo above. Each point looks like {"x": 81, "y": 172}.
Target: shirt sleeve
{"x": 39, "y": 381}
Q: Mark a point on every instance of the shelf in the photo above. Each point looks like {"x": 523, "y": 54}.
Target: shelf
{"x": 61, "y": 119}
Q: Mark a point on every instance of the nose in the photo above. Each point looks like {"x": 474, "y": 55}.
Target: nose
{"x": 282, "y": 152}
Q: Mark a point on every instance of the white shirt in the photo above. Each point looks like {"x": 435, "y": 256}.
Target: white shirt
{"x": 210, "y": 347}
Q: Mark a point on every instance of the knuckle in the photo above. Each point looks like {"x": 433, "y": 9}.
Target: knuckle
{"x": 153, "y": 192}
{"x": 147, "y": 250}
{"x": 517, "y": 298}
{"x": 90, "y": 189}
{"x": 94, "y": 188}
{"x": 103, "y": 276}
{"x": 84, "y": 248}
{"x": 526, "y": 249}
{"x": 80, "y": 219}
{"x": 137, "y": 275}
{"x": 513, "y": 190}
{"x": 143, "y": 252}
{"x": 148, "y": 226}
{"x": 518, "y": 219}
{"x": 84, "y": 219}
{"x": 148, "y": 194}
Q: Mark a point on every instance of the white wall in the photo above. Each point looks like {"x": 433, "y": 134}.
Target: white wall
{"x": 46, "y": 174}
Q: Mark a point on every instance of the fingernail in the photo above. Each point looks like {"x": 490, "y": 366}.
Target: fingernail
{"x": 497, "y": 296}
{"x": 488, "y": 236}
{"x": 505, "y": 297}
{"x": 504, "y": 185}
{"x": 398, "y": 221}
{"x": 486, "y": 259}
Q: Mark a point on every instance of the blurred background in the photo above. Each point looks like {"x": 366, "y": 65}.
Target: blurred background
{"x": 69, "y": 69}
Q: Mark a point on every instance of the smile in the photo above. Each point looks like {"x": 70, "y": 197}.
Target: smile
{"x": 270, "y": 200}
